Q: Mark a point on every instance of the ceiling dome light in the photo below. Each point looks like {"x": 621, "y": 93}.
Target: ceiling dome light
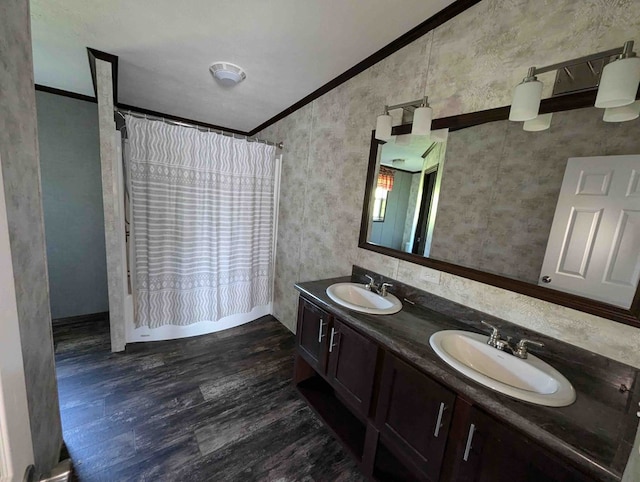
{"x": 227, "y": 74}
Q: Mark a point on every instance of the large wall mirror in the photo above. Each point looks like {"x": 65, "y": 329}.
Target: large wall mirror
{"x": 553, "y": 214}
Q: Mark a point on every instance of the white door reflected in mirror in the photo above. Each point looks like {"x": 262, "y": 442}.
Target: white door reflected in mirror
{"x": 594, "y": 243}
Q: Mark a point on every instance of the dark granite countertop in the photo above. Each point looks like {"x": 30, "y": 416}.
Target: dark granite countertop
{"x": 596, "y": 432}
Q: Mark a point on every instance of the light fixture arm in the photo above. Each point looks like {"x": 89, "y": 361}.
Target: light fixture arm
{"x": 406, "y": 105}
{"x": 625, "y": 51}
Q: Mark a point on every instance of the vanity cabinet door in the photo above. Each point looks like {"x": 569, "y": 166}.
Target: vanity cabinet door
{"x": 313, "y": 326}
{"x": 491, "y": 451}
{"x": 352, "y": 366}
{"x": 413, "y": 416}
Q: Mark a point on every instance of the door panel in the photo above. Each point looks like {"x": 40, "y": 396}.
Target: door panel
{"x": 623, "y": 263}
{"x": 352, "y": 366}
{"x": 594, "y": 243}
{"x": 313, "y": 324}
{"x": 413, "y": 415}
{"x": 577, "y": 245}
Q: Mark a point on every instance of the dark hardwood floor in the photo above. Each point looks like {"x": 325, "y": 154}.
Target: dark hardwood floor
{"x": 216, "y": 407}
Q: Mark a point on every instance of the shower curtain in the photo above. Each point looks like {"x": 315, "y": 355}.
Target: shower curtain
{"x": 203, "y": 215}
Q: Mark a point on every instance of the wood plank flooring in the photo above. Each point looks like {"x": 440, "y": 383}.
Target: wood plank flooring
{"x": 217, "y": 407}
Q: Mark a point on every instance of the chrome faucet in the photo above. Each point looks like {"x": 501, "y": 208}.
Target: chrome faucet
{"x": 372, "y": 286}
{"x": 520, "y": 350}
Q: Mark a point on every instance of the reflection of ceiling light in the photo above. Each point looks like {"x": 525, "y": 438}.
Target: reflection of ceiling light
{"x": 397, "y": 162}
{"x": 227, "y": 74}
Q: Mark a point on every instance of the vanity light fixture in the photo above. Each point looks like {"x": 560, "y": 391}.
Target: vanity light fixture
{"x": 383, "y": 125}
{"x": 422, "y": 115}
{"x": 526, "y": 98}
{"x": 622, "y": 114}
{"x": 620, "y": 79}
{"x": 540, "y": 123}
{"x": 615, "y": 73}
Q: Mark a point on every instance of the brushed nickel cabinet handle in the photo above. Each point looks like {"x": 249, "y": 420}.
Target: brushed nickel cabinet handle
{"x": 331, "y": 345}
{"x": 467, "y": 449}
{"x": 443, "y": 407}
{"x": 320, "y": 334}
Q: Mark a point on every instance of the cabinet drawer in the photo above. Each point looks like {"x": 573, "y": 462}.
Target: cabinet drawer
{"x": 413, "y": 416}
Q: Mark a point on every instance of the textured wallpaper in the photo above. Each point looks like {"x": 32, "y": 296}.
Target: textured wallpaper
{"x": 470, "y": 63}
{"x": 21, "y": 173}
{"x": 500, "y": 188}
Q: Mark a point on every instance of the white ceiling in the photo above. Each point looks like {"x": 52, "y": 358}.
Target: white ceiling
{"x": 406, "y": 148}
{"x": 288, "y": 48}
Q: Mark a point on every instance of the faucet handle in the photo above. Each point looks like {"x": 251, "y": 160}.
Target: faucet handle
{"x": 371, "y": 284}
{"x": 521, "y": 347}
{"x": 495, "y": 333}
{"x": 383, "y": 288}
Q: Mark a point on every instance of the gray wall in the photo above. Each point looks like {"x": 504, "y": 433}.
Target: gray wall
{"x": 72, "y": 203}
{"x": 465, "y": 65}
{"x": 390, "y": 231}
{"x": 21, "y": 173}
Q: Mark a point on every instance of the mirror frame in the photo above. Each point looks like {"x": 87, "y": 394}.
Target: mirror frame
{"x": 578, "y": 100}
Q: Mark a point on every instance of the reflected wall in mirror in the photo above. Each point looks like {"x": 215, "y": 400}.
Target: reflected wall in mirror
{"x": 490, "y": 198}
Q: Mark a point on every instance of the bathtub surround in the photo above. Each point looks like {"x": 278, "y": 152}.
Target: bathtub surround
{"x": 113, "y": 205}
{"x": 21, "y": 175}
{"x": 72, "y": 202}
{"x": 465, "y": 65}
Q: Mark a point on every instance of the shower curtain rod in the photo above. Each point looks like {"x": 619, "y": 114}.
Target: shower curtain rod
{"x": 278, "y": 145}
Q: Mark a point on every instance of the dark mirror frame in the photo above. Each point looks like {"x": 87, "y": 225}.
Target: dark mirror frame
{"x": 578, "y": 100}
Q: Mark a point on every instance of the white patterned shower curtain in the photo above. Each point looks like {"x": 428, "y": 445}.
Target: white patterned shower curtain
{"x": 203, "y": 215}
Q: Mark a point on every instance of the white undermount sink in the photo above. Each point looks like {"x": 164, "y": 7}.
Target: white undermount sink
{"x": 357, "y": 297}
{"x": 531, "y": 379}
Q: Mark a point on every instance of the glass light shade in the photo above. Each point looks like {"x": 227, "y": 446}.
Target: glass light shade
{"x": 422, "y": 121}
{"x": 383, "y": 127}
{"x": 540, "y": 123}
{"x": 622, "y": 114}
{"x": 526, "y": 101}
{"x": 619, "y": 83}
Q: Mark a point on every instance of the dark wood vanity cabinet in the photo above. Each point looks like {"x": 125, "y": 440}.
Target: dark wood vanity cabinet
{"x": 399, "y": 423}
{"x": 352, "y": 366}
{"x": 413, "y": 416}
{"x": 313, "y": 327}
{"x": 493, "y": 452}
